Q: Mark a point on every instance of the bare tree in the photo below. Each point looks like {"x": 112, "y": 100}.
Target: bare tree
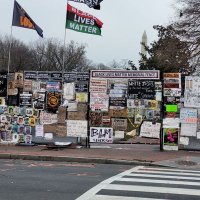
{"x": 50, "y": 54}
{"x": 43, "y": 55}
{"x": 20, "y": 55}
{"x": 122, "y": 64}
{"x": 188, "y": 26}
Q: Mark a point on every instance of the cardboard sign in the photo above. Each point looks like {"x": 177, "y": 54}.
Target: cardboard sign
{"x": 77, "y": 128}
{"x": 119, "y": 124}
{"x": 118, "y": 112}
{"x": 188, "y": 129}
{"x": 95, "y": 118}
{"x": 148, "y": 129}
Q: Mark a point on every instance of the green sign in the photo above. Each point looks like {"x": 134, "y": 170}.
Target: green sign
{"x": 172, "y": 108}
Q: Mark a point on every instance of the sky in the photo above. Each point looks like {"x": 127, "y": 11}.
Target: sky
{"x": 124, "y": 22}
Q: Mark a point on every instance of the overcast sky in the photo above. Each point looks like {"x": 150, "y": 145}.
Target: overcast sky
{"x": 124, "y": 23}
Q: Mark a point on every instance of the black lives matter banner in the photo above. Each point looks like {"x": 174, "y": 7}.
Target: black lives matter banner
{"x": 80, "y": 21}
{"x": 90, "y": 3}
{"x": 141, "y": 89}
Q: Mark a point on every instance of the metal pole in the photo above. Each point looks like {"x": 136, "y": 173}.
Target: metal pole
{"x": 9, "y": 50}
{"x": 63, "y": 67}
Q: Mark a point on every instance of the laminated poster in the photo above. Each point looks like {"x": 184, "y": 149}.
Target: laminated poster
{"x": 170, "y": 138}
{"x": 28, "y": 139}
{"x": 39, "y": 131}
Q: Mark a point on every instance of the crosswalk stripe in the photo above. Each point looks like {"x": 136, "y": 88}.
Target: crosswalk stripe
{"x": 164, "y": 172}
{"x": 169, "y": 169}
{"x": 160, "y": 176}
{"x": 158, "y": 181}
{"x": 144, "y": 181}
{"x": 143, "y": 189}
{"x": 103, "y": 184}
{"x": 108, "y": 197}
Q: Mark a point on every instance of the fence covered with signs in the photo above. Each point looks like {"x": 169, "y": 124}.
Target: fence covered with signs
{"x": 100, "y": 105}
{"x": 190, "y": 114}
{"x": 121, "y": 100}
{"x": 41, "y": 106}
{"x": 181, "y": 112}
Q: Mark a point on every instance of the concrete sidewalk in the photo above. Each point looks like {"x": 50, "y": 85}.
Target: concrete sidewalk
{"x": 134, "y": 154}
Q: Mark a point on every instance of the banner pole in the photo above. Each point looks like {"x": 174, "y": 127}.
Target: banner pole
{"x": 9, "y": 51}
{"x": 63, "y": 67}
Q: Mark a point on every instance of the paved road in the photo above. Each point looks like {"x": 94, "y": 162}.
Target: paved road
{"x": 148, "y": 183}
{"x": 37, "y": 180}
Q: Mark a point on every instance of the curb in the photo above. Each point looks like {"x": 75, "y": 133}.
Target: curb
{"x": 74, "y": 159}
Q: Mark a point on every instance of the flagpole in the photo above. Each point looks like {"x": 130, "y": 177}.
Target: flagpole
{"x": 63, "y": 67}
{"x": 9, "y": 50}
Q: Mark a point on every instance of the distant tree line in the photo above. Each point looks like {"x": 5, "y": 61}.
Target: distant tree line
{"x": 44, "y": 55}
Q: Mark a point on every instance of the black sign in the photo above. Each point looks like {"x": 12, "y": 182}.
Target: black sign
{"x": 56, "y": 76}
{"x": 141, "y": 89}
{"x": 30, "y": 75}
{"x": 3, "y": 84}
{"x": 25, "y": 99}
{"x": 118, "y": 101}
{"x": 81, "y": 87}
{"x": 83, "y": 76}
{"x": 70, "y": 77}
{"x": 44, "y": 75}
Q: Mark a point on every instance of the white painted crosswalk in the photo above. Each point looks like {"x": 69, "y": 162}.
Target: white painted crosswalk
{"x": 146, "y": 183}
